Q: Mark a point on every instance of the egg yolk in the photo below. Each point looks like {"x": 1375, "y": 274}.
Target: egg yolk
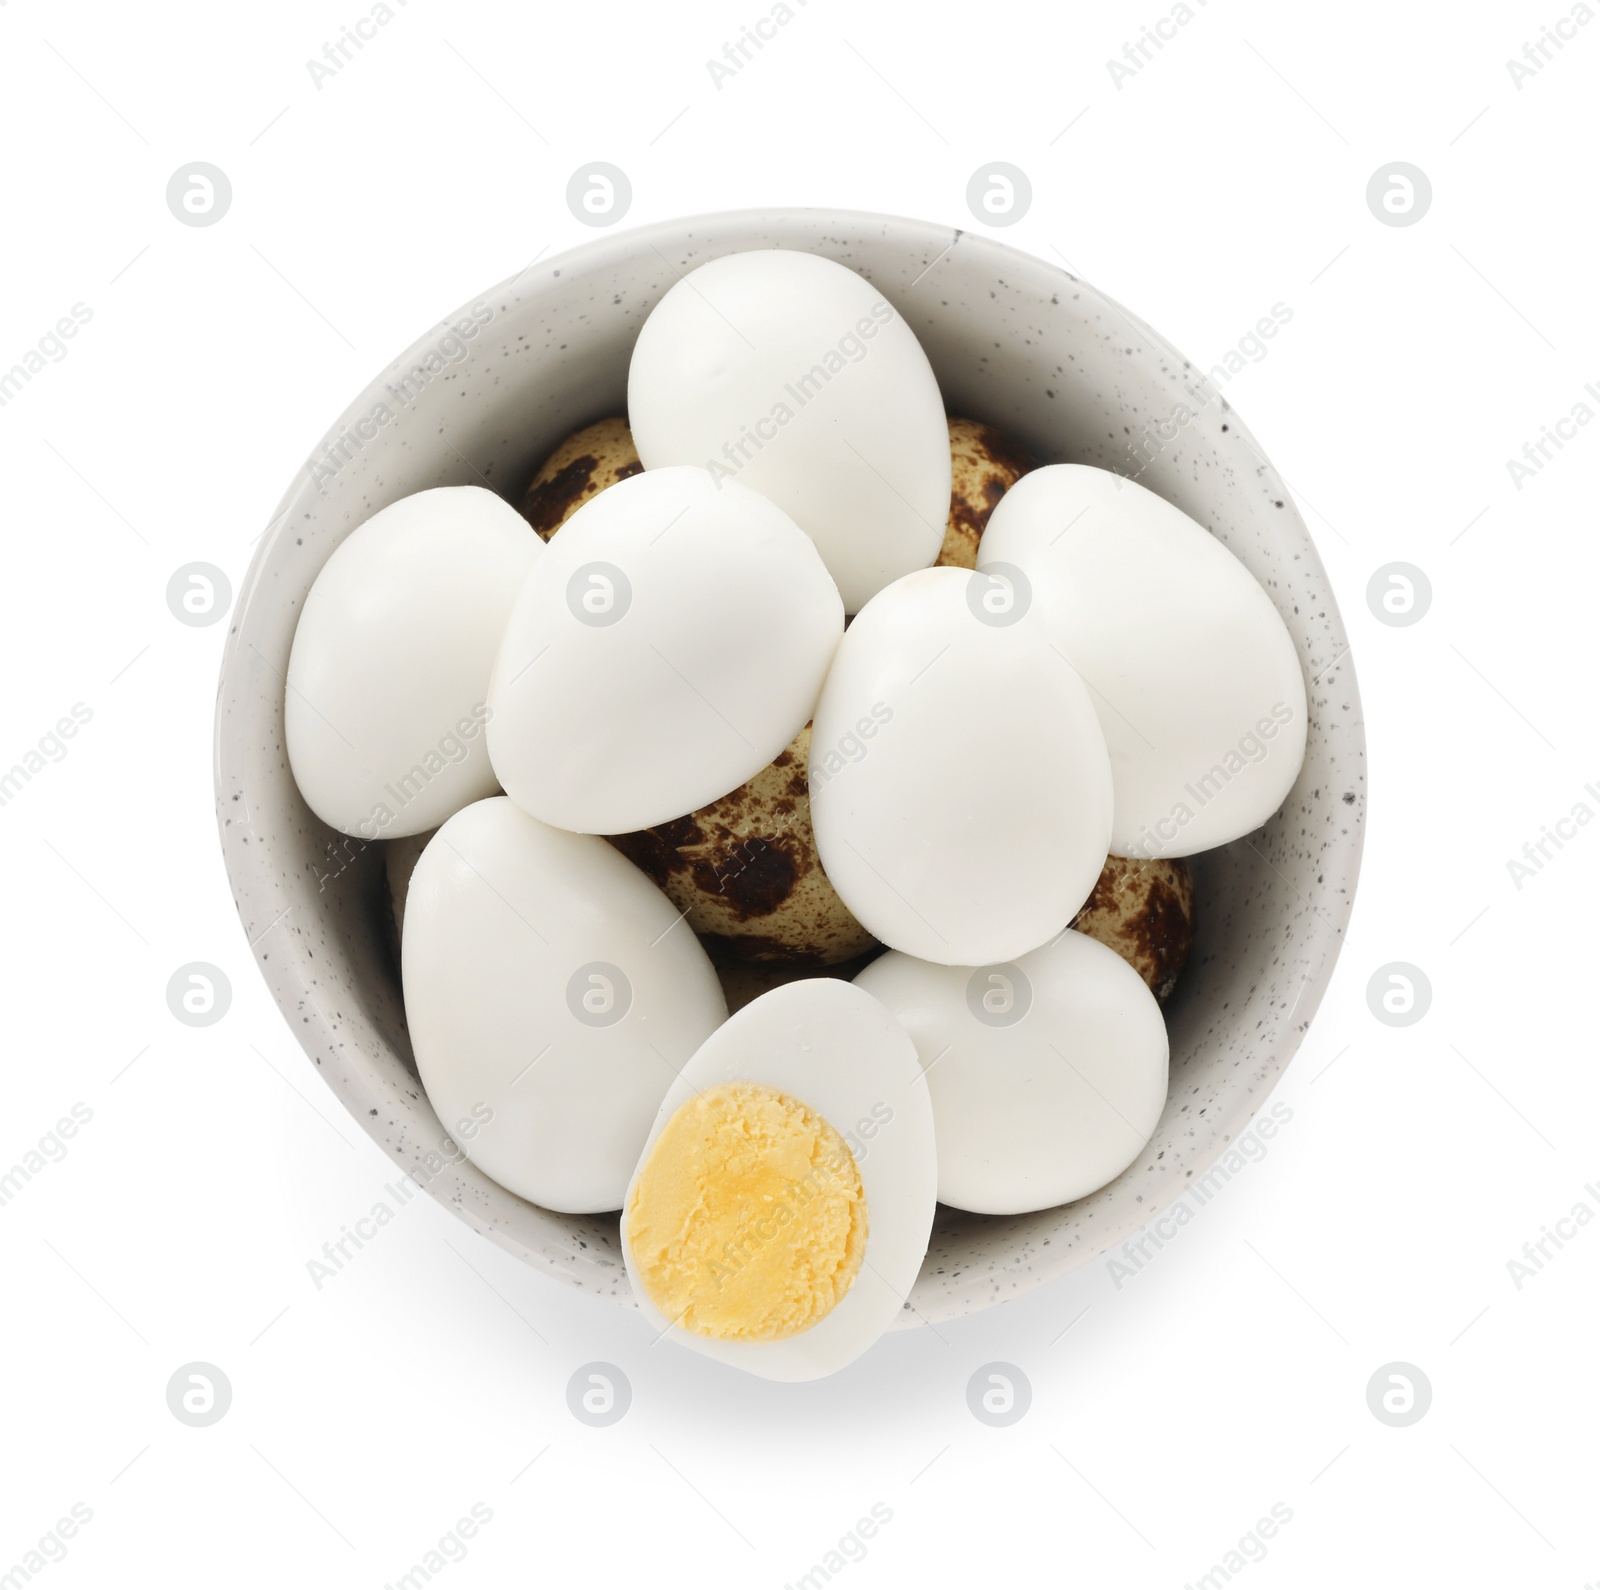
{"x": 747, "y": 1221}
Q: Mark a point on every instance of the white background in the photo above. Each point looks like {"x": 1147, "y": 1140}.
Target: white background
{"x": 1227, "y": 175}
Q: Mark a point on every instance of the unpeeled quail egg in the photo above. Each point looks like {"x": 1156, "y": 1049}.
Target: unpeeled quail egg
{"x": 984, "y": 465}
{"x": 581, "y": 467}
{"x": 745, "y": 868}
{"x": 1144, "y": 910}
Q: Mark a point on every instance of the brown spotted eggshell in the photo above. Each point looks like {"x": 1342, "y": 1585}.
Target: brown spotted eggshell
{"x": 580, "y": 468}
{"x": 745, "y": 869}
{"x": 1144, "y": 910}
{"x": 984, "y": 465}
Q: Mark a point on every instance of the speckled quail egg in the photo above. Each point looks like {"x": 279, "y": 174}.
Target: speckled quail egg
{"x": 984, "y": 465}
{"x": 1144, "y": 910}
{"x": 580, "y": 468}
{"x": 745, "y": 868}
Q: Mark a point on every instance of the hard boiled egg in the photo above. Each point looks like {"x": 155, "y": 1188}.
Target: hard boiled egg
{"x": 669, "y": 643}
{"x": 1194, "y": 674}
{"x": 388, "y": 681}
{"x": 1047, "y": 1074}
{"x": 781, "y": 1208}
{"x": 794, "y": 376}
{"x": 960, "y": 789}
{"x": 550, "y": 984}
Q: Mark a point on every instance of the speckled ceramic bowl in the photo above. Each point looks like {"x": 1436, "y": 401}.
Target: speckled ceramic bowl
{"x": 1014, "y": 341}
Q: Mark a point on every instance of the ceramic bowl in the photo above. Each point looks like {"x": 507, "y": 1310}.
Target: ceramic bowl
{"x": 1014, "y": 341}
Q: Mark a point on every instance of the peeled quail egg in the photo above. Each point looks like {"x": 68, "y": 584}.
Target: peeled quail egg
{"x": 669, "y": 643}
{"x": 781, "y": 1208}
{"x": 960, "y": 789}
{"x": 549, "y": 984}
{"x": 794, "y": 376}
{"x": 1194, "y": 674}
{"x": 1048, "y": 1074}
{"x": 388, "y": 682}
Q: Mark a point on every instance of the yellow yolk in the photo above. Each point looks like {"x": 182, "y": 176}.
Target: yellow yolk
{"x": 747, "y": 1222}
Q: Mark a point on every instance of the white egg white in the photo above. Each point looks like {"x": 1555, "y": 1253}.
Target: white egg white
{"x": 551, "y": 993}
{"x": 667, "y": 646}
{"x": 837, "y": 1050}
{"x": 1047, "y": 1074}
{"x": 960, "y": 787}
{"x": 388, "y": 681}
{"x": 796, "y": 377}
{"x": 1194, "y": 673}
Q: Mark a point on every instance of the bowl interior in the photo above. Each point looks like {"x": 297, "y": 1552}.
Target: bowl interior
{"x": 1016, "y": 342}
